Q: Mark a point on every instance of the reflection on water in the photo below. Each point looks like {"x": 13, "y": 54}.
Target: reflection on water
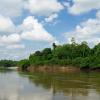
{"x": 43, "y": 86}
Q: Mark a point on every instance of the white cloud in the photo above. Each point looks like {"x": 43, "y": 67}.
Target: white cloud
{"x": 30, "y": 30}
{"x": 43, "y": 7}
{"x": 14, "y": 36}
{"x": 6, "y": 24}
{"x": 14, "y": 8}
{"x": 16, "y": 46}
{"x": 82, "y": 6}
{"x": 11, "y": 8}
{"x": 10, "y": 39}
{"x": 51, "y": 18}
{"x": 33, "y": 30}
{"x": 87, "y": 31}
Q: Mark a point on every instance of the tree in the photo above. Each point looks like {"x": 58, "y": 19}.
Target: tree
{"x": 24, "y": 64}
{"x": 96, "y": 50}
{"x": 73, "y": 42}
{"x": 54, "y": 46}
{"x": 8, "y": 63}
{"x": 80, "y": 55}
{"x": 47, "y": 53}
{"x": 84, "y": 49}
{"x": 38, "y": 53}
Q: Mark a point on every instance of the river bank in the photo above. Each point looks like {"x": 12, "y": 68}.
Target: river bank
{"x": 53, "y": 69}
{"x": 59, "y": 69}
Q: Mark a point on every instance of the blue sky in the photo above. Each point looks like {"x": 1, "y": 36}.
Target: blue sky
{"x": 30, "y": 25}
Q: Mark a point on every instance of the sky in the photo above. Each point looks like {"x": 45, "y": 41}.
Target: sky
{"x": 30, "y": 25}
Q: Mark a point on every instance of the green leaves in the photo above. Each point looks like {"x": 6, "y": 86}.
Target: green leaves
{"x": 24, "y": 64}
{"x": 78, "y": 55}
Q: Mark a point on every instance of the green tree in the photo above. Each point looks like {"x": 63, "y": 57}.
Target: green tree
{"x": 84, "y": 49}
{"x": 54, "y": 46}
{"x": 47, "y": 53}
{"x": 24, "y": 64}
{"x": 96, "y": 50}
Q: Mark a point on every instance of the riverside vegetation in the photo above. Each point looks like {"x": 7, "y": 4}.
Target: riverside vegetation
{"x": 74, "y": 55}
{"x": 5, "y": 64}
{"x": 77, "y": 55}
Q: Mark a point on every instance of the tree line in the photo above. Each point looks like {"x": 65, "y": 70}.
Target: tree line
{"x": 7, "y": 63}
{"x": 74, "y": 54}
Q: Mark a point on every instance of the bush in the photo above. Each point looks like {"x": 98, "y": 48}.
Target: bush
{"x": 24, "y": 64}
{"x": 81, "y": 62}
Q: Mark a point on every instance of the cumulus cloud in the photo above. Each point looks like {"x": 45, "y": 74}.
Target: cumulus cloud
{"x": 87, "y": 31}
{"x": 82, "y": 6}
{"x": 6, "y": 24}
{"x": 30, "y": 29}
{"x": 51, "y": 18}
{"x": 14, "y": 8}
{"x": 43, "y": 7}
{"x": 16, "y": 37}
{"x": 11, "y": 8}
{"x": 10, "y": 39}
{"x": 33, "y": 30}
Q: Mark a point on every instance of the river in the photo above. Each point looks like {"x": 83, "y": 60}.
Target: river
{"x": 46, "y": 86}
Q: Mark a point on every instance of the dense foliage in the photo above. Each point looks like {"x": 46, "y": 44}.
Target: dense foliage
{"x": 24, "y": 64}
{"x": 8, "y": 63}
{"x": 78, "y": 55}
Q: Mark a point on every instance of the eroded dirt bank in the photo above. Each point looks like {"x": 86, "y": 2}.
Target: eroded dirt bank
{"x": 53, "y": 69}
